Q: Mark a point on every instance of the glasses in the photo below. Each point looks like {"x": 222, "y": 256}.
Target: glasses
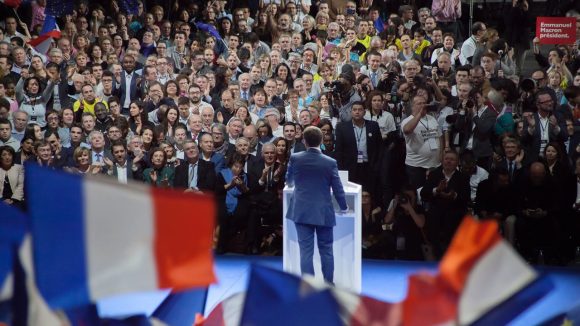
{"x": 547, "y": 101}
{"x": 52, "y": 118}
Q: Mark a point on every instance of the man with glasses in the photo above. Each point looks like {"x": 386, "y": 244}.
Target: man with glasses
{"x": 544, "y": 126}
{"x": 163, "y": 73}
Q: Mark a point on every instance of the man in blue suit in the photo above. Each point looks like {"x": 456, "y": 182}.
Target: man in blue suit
{"x": 312, "y": 175}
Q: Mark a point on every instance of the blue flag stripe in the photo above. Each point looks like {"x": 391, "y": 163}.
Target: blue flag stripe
{"x": 56, "y": 211}
{"x": 49, "y": 24}
{"x": 518, "y": 303}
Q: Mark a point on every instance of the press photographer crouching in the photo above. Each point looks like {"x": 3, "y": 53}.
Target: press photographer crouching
{"x": 404, "y": 222}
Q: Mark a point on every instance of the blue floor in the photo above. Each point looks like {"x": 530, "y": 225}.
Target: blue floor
{"x": 384, "y": 280}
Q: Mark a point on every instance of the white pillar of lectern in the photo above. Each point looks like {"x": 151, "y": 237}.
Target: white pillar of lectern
{"x": 347, "y": 240}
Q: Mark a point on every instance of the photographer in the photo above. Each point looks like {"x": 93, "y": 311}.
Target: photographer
{"x": 343, "y": 95}
{"x": 363, "y": 86}
{"x": 406, "y": 219}
{"x": 474, "y": 124}
{"x": 422, "y": 137}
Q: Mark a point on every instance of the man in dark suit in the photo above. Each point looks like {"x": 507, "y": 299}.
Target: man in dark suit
{"x": 290, "y": 135}
{"x": 447, "y": 191}
{"x": 477, "y": 126}
{"x": 121, "y": 167}
{"x": 98, "y": 150}
{"x": 543, "y": 126}
{"x": 312, "y": 174}
{"x": 358, "y": 149}
{"x": 126, "y": 85}
{"x": 514, "y": 160}
{"x": 194, "y": 175}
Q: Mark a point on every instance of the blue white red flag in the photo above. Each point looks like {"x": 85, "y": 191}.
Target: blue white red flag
{"x": 94, "y": 238}
{"x": 50, "y": 31}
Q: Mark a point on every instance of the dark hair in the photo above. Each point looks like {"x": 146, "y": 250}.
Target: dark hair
{"x": 118, "y": 143}
{"x": 8, "y": 149}
{"x": 324, "y": 122}
{"x": 157, "y": 149}
{"x": 50, "y": 132}
{"x": 236, "y": 158}
{"x": 4, "y": 121}
{"x": 477, "y": 26}
{"x": 312, "y": 136}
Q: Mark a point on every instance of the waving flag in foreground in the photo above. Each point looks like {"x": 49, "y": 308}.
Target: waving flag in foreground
{"x": 94, "y": 238}
{"x": 481, "y": 281}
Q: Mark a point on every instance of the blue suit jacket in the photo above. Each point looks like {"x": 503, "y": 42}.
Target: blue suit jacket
{"x": 313, "y": 174}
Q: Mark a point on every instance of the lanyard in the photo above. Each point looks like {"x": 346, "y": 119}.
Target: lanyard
{"x": 543, "y": 127}
{"x": 426, "y": 126}
{"x": 359, "y": 136}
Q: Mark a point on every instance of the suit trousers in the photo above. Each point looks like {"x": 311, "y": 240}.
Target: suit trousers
{"x": 324, "y": 236}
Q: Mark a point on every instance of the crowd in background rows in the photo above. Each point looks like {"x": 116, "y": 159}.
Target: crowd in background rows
{"x": 435, "y": 120}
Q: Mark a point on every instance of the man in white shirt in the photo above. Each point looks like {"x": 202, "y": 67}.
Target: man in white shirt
{"x": 469, "y": 46}
{"x": 422, "y": 137}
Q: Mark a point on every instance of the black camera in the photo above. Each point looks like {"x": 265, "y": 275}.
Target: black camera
{"x": 470, "y": 104}
{"x": 335, "y": 86}
{"x": 432, "y": 107}
{"x": 394, "y": 98}
{"x": 404, "y": 199}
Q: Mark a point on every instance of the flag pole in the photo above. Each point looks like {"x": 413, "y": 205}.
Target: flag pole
{"x": 17, "y": 17}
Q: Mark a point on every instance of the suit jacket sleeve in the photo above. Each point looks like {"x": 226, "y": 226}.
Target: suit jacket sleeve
{"x": 339, "y": 146}
{"x": 290, "y": 173}
{"x": 337, "y": 188}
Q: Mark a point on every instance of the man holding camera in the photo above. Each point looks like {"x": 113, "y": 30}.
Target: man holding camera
{"x": 422, "y": 137}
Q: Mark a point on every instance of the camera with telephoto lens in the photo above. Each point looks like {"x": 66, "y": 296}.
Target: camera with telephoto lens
{"x": 335, "y": 86}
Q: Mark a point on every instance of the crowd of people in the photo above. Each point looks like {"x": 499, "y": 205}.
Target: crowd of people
{"x": 434, "y": 119}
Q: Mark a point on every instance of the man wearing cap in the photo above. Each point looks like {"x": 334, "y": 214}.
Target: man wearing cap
{"x": 272, "y": 117}
{"x": 347, "y": 94}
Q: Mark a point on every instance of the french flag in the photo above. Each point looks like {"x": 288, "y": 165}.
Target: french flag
{"x": 49, "y": 32}
{"x": 481, "y": 281}
{"x": 94, "y": 238}
{"x": 273, "y": 297}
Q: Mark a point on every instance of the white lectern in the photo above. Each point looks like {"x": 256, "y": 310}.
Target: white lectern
{"x": 347, "y": 240}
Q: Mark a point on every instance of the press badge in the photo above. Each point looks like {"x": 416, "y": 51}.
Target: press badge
{"x": 359, "y": 157}
{"x": 433, "y": 144}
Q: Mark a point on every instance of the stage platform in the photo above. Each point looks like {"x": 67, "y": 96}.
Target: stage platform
{"x": 384, "y": 280}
